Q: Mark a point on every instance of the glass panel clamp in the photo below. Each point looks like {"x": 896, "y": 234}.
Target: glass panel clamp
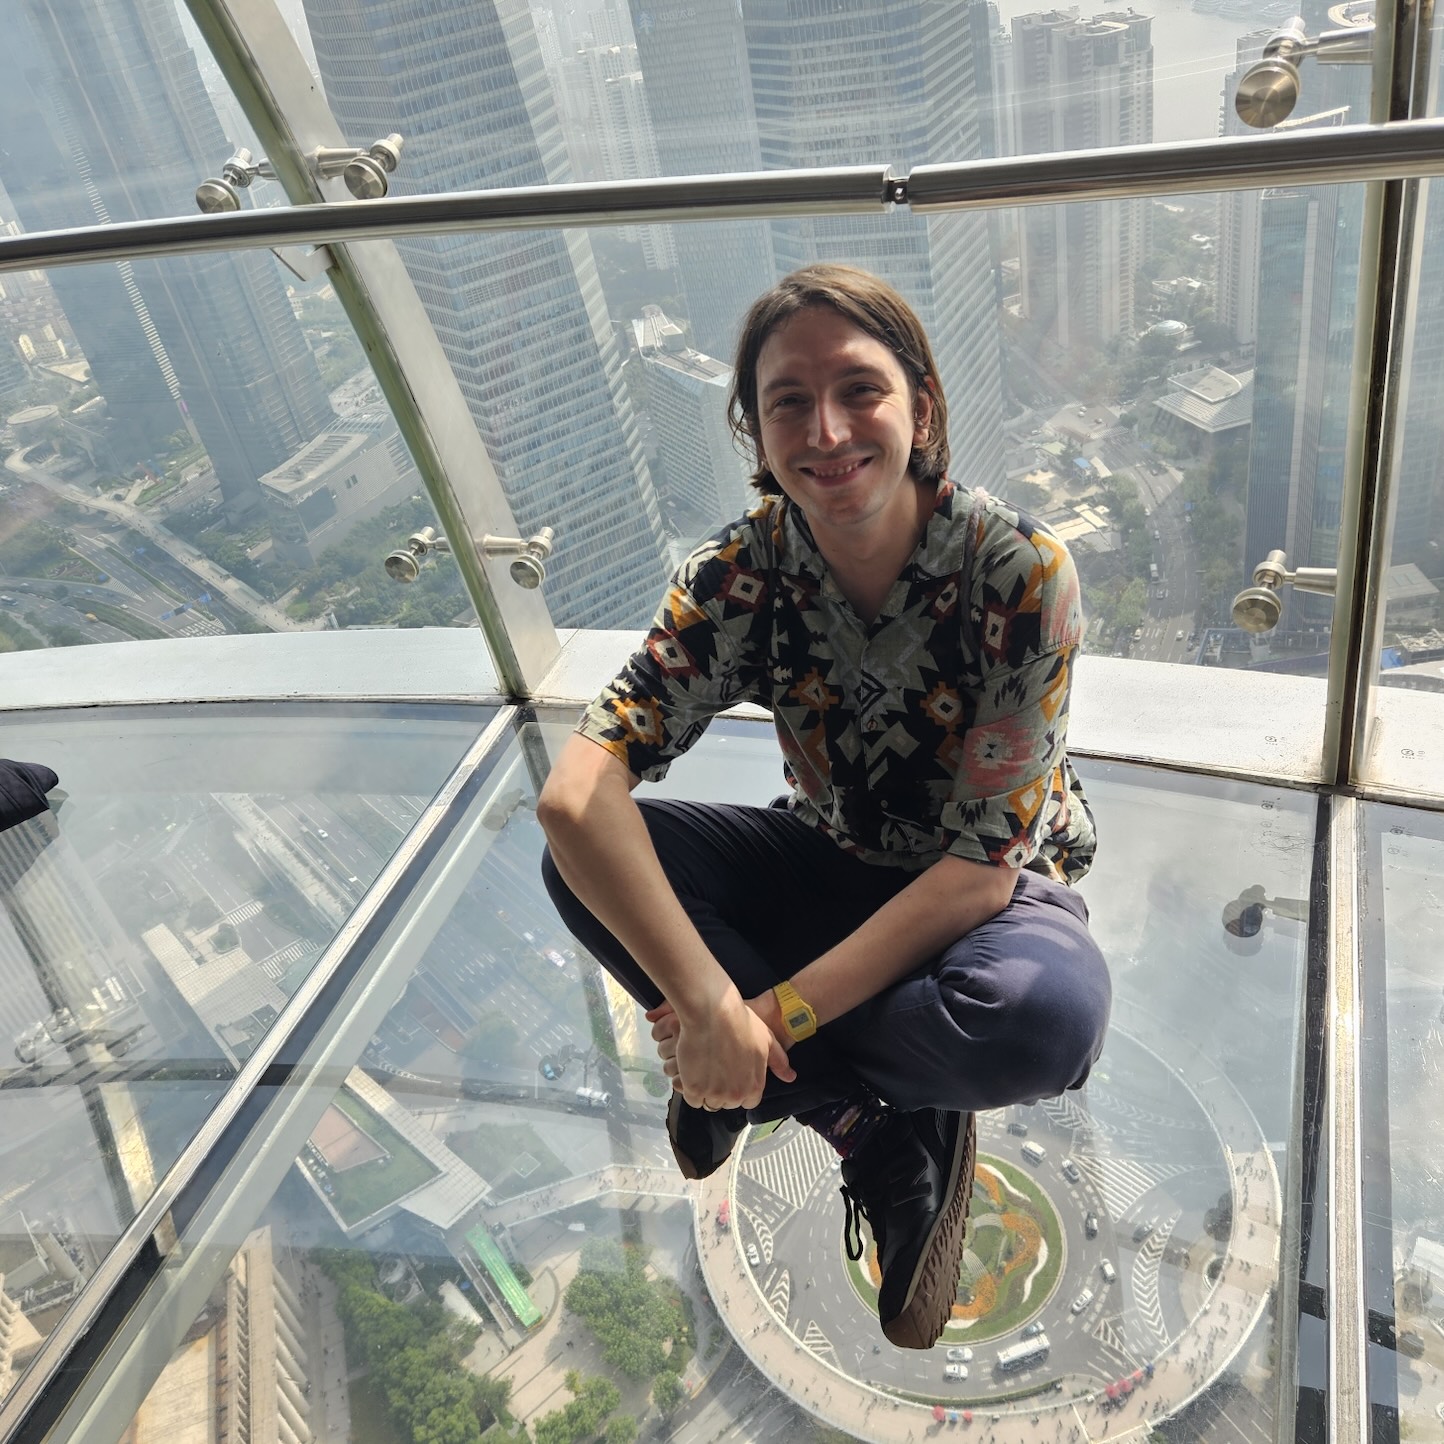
{"x": 1259, "y": 607}
{"x": 1269, "y": 89}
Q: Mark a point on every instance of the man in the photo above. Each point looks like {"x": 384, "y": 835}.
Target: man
{"x": 896, "y": 945}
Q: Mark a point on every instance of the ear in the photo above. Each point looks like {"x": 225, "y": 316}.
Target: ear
{"x": 922, "y": 412}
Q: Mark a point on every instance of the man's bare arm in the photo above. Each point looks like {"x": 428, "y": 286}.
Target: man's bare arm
{"x": 938, "y": 907}
{"x": 603, "y": 850}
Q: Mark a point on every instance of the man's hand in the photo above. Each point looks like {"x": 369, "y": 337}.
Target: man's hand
{"x": 722, "y": 1060}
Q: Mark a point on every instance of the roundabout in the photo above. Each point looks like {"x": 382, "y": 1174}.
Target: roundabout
{"x": 1122, "y": 1248}
{"x": 1011, "y": 1264}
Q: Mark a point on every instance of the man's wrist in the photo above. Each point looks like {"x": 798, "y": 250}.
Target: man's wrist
{"x": 704, "y": 997}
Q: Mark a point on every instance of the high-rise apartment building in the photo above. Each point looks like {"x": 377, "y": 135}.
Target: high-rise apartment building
{"x": 704, "y": 475}
{"x": 699, "y": 93}
{"x": 1079, "y": 84}
{"x": 1236, "y": 303}
{"x": 118, "y": 127}
{"x": 902, "y": 85}
{"x": 520, "y": 315}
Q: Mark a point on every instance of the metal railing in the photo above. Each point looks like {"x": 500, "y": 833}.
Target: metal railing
{"x": 1402, "y": 150}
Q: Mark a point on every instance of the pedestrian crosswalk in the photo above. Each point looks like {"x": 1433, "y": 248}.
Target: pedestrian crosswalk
{"x": 276, "y": 965}
{"x": 791, "y": 1170}
{"x": 1123, "y": 1181}
{"x": 244, "y": 913}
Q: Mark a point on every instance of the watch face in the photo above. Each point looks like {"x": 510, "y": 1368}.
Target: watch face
{"x": 797, "y": 1020}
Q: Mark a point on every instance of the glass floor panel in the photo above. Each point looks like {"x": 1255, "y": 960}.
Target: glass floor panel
{"x": 470, "y": 1212}
{"x": 152, "y": 926}
{"x": 1403, "y": 1042}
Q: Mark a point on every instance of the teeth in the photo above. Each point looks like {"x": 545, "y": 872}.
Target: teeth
{"x": 827, "y": 472}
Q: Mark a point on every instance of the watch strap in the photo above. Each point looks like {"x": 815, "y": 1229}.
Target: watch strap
{"x": 797, "y": 1016}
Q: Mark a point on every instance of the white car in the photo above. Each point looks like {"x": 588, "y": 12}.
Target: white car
{"x": 960, "y": 1356}
{"x": 753, "y": 1257}
{"x": 1081, "y": 1302}
{"x": 955, "y": 1371}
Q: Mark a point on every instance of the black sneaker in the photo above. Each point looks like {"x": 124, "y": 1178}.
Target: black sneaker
{"x": 912, "y": 1181}
{"x": 702, "y": 1141}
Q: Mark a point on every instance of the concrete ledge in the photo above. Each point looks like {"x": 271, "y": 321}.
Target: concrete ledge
{"x": 1247, "y": 724}
{"x": 428, "y": 663}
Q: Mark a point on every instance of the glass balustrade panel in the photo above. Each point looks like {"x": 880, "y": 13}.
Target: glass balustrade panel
{"x": 1402, "y": 923}
{"x": 191, "y": 868}
{"x": 197, "y": 447}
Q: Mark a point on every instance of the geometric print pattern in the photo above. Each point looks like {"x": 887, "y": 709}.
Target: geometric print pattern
{"x": 938, "y": 728}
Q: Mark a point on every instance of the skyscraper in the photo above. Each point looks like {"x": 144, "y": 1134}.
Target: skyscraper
{"x": 705, "y": 475}
{"x": 117, "y": 126}
{"x": 608, "y": 127}
{"x": 898, "y": 84}
{"x": 699, "y": 92}
{"x": 1236, "y": 305}
{"x": 1079, "y": 84}
{"x": 520, "y": 315}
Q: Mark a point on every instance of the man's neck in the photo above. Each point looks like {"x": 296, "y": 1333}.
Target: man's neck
{"x": 865, "y": 563}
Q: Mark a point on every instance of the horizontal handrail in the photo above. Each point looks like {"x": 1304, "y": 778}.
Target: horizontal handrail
{"x": 1285, "y": 158}
{"x": 1301, "y": 157}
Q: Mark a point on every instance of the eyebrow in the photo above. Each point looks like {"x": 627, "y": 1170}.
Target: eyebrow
{"x": 782, "y": 383}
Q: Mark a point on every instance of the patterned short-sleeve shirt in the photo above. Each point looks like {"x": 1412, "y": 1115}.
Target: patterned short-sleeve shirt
{"x": 937, "y": 728}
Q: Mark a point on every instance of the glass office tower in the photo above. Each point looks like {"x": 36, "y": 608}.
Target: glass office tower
{"x": 521, "y": 317}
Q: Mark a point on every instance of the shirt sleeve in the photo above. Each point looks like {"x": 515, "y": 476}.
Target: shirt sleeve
{"x": 690, "y": 667}
{"x": 1012, "y": 789}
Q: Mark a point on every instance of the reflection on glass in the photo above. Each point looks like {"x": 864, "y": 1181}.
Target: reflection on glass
{"x": 486, "y": 1223}
{"x": 152, "y": 927}
{"x": 1403, "y": 1160}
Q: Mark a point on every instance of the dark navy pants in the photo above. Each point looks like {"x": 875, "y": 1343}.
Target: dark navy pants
{"x": 1014, "y": 1011}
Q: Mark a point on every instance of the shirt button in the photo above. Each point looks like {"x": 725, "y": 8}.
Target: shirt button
{"x": 872, "y": 724}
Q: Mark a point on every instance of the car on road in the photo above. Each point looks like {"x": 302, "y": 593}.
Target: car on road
{"x": 960, "y": 1356}
{"x": 1081, "y": 1302}
{"x": 1178, "y": 635}
{"x": 955, "y": 1371}
{"x": 753, "y": 1257}
{"x": 1031, "y": 1331}
{"x": 1070, "y": 1171}
{"x": 1034, "y": 1153}
{"x": 1108, "y": 1271}
{"x": 321, "y": 832}
{"x": 1142, "y": 1232}
{"x": 1018, "y": 1130}
{"x": 1138, "y": 634}
{"x": 1090, "y": 1224}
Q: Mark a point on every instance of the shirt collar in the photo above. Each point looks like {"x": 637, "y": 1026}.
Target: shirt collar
{"x": 939, "y": 553}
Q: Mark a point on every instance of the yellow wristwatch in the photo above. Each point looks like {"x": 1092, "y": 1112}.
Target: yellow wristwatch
{"x": 799, "y": 1019}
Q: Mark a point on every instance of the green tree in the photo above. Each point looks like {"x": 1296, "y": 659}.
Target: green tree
{"x": 667, "y": 1392}
{"x": 225, "y": 938}
{"x": 621, "y": 1429}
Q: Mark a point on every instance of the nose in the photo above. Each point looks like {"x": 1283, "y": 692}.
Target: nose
{"x": 829, "y": 425}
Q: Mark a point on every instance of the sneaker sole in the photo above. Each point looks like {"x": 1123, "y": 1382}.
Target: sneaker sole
{"x": 929, "y": 1303}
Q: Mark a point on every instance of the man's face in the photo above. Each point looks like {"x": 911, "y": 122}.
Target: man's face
{"x": 838, "y": 423}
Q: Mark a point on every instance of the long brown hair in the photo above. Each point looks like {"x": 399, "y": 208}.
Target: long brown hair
{"x": 871, "y": 305}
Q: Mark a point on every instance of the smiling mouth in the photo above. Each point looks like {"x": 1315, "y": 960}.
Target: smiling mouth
{"x": 836, "y": 472}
